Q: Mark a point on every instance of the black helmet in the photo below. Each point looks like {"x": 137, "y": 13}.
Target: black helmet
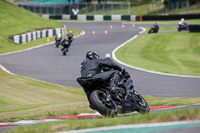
{"x": 92, "y": 55}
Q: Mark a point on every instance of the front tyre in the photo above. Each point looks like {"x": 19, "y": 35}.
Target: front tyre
{"x": 142, "y": 105}
{"x": 105, "y": 108}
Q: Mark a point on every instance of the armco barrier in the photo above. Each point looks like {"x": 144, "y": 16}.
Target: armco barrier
{"x": 194, "y": 27}
{"x": 31, "y": 36}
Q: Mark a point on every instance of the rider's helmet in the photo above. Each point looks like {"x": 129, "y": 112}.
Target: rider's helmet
{"x": 92, "y": 55}
{"x": 182, "y": 19}
{"x": 70, "y": 31}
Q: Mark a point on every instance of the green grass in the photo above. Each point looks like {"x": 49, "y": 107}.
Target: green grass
{"x": 24, "y": 99}
{"x": 174, "y": 53}
{"x": 15, "y": 20}
{"x": 164, "y": 116}
{"x": 169, "y": 28}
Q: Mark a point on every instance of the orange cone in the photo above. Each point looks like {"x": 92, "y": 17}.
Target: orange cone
{"x": 111, "y": 27}
{"x": 93, "y": 33}
{"x": 81, "y": 34}
{"x": 123, "y": 26}
{"x": 133, "y": 26}
{"x": 106, "y": 32}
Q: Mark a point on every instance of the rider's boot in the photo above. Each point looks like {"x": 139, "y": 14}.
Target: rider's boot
{"x": 113, "y": 85}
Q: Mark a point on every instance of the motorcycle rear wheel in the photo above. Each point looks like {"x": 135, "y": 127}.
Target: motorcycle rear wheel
{"x": 142, "y": 105}
{"x": 105, "y": 108}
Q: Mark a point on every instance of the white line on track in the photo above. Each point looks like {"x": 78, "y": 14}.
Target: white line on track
{"x": 6, "y": 70}
{"x": 137, "y": 68}
{"x": 19, "y": 51}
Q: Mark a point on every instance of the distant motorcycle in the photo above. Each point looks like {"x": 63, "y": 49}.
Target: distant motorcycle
{"x": 154, "y": 29}
{"x": 183, "y": 27}
{"x": 58, "y": 40}
{"x": 108, "y": 104}
{"x": 65, "y": 46}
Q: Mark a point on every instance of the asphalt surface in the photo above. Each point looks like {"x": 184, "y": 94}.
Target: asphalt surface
{"x": 48, "y": 64}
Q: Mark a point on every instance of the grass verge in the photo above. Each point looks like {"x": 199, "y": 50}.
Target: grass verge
{"x": 24, "y": 99}
{"x": 15, "y": 20}
{"x": 174, "y": 53}
{"x": 164, "y": 116}
{"x": 169, "y": 28}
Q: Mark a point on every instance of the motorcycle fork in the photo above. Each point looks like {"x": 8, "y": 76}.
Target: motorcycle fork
{"x": 108, "y": 96}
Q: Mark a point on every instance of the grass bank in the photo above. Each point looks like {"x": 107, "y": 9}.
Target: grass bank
{"x": 23, "y": 98}
{"x": 15, "y": 20}
{"x": 174, "y": 53}
{"x": 164, "y": 116}
{"x": 27, "y": 99}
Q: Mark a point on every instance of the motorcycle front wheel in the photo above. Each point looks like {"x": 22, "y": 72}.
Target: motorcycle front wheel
{"x": 104, "y": 107}
{"x": 142, "y": 105}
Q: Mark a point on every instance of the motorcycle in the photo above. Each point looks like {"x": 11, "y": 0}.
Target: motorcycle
{"x": 58, "y": 41}
{"x": 109, "y": 104}
{"x": 153, "y": 30}
{"x": 65, "y": 46}
{"x": 183, "y": 27}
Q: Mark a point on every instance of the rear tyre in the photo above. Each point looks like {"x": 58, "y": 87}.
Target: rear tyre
{"x": 142, "y": 105}
{"x": 64, "y": 52}
{"x": 99, "y": 103}
{"x": 179, "y": 29}
{"x": 57, "y": 44}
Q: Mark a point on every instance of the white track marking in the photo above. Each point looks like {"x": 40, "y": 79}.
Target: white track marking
{"x": 6, "y": 70}
{"x": 39, "y": 46}
{"x": 137, "y": 68}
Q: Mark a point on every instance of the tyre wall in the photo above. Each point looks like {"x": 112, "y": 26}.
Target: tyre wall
{"x": 194, "y": 27}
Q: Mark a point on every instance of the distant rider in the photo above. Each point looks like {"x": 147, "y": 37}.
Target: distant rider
{"x": 70, "y": 36}
{"x": 181, "y": 22}
{"x": 58, "y": 36}
{"x": 156, "y": 27}
{"x": 65, "y": 44}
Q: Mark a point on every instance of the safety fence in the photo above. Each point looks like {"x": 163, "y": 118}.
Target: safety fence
{"x": 77, "y": 8}
{"x": 91, "y": 17}
{"x": 31, "y": 36}
{"x": 122, "y": 17}
{"x": 135, "y": 7}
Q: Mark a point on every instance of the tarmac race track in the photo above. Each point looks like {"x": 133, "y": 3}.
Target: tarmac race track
{"x": 48, "y": 64}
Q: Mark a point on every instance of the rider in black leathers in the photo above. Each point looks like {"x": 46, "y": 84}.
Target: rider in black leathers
{"x": 92, "y": 67}
{"x": 70, "y": 36}
{"x": 65, "y": 43}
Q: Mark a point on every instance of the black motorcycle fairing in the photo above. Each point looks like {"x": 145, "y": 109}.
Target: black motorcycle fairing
{"x": 89, "y": 82}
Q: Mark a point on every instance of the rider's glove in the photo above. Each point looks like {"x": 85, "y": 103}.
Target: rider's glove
{"x": 123, "y": 70}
